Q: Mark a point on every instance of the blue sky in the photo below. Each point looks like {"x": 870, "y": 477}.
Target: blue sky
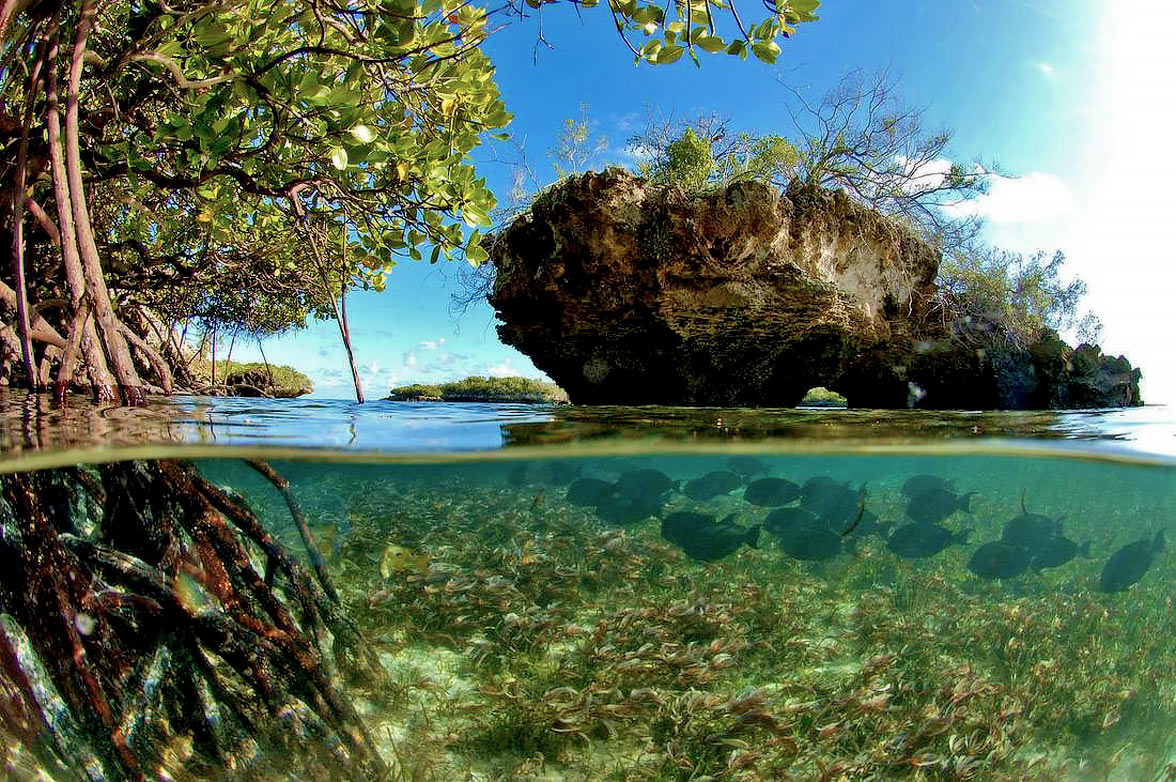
{"x": 1076, "y": 98}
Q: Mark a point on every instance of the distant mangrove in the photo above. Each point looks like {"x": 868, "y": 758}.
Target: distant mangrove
{"x": 482, "y": 389}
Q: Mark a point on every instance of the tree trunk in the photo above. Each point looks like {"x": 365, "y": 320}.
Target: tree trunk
{"x": 340, "y": 312}
{"x": 345, "y": 332}
{"x": 18, "y": 210}
{"x": 71, "y": 260}
{"x": 111, "y": 329}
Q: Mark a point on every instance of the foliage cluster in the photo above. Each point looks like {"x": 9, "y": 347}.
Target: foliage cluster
{"x": 277, "y": 380}
{"x": 997, "y": 295}
{"x": 704, "y": 154}
{"x": 822, "y": 397}
{"x": 245, "y": 165}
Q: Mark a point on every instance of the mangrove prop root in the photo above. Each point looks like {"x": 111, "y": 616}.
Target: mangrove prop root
{"x": 312, "y": 552}
{"x": 152, "y": 644}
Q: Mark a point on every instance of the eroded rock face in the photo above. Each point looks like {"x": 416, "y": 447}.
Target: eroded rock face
{"x": 627, "y": 293}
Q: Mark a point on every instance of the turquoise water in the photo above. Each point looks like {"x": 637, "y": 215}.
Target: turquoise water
{"x": 493, "y": 624}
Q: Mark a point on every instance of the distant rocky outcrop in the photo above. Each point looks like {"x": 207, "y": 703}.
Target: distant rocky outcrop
{"x": 628, "y": 293}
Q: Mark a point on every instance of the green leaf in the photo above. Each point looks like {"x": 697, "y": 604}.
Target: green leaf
{"x": 766, "y": 51}
{"x": 476, "y": 255}
{"x": 670, "y": 54}
{"x": 473, "y": 218}
{"x": 804, "y": 9}
{"x": 711, "y": 43}
{"x": 212, "y": 34}
{"x": 363, "y": 134}
{"x": 339, "y": 158}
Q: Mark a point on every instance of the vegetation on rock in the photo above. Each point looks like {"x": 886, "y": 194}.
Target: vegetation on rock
{"x": 482, "y": 389}
{"x": 822, "y": 397}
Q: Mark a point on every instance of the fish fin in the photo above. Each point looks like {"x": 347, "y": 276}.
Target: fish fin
{"x": 420, "y": 563}
{"x": 752, "y": 537}
{"x": 1158, "y": 543}
{"x": 1023, "y": 511}
{"x": 966, "y": 500}
{"x": 730, "y": 518}
{"x": 1084, "y": 549}
{"x": 861, "y": 512}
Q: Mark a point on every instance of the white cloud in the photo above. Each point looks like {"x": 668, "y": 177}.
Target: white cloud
{"x": 924, "y": 176}
{"x": 1121, "y": 244}
{"x": 1034, "y": 197}
{"x": 502, "y": 369}
{"x": 1046, "y": 70}
{"x": 631, "y": 156}
{"x": 431, "y": 344}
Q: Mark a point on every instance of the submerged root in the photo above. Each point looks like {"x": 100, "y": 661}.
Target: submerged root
{"x": 152, "y": 626}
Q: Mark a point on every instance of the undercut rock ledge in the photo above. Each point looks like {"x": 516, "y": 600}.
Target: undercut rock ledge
{"x": 629, "y": 293}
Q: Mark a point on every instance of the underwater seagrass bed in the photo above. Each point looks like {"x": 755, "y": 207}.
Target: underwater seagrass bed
{"x": 526, "y": 638}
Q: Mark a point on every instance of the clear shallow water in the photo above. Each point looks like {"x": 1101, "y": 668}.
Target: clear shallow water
{"x": 508, "y": 632}
{"x": 30, "y": 424}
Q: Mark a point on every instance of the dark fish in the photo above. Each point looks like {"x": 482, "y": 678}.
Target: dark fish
{"x": 542, "y": 474}
{"x": 915, "y": 541}
{"x": 811, "y": 544}
{"x": 588, "y": 491}
{"x": 1042, "y": 537}
{"x": 857, "y": 520}
{"x": 833, "y": 501}
{"x": 747, "y": 466}
{"x": 1127, "y": 565}
{"x": 1031, "y": 530}
{"x": 712, "y": 485}
{"x": 872, "y": 525}
{"x": 781, "y": 520}
{"x": 644, "y": 483}
{"x": 932, "y": 507}
{"x": 703, "y": 538}
{"x": 615, "y": 507}
{"x": 921, "y": 484}
{"x": 1057, "y": 552}
{"x": 999, "y": 560}
{"x": 771, "y": 492}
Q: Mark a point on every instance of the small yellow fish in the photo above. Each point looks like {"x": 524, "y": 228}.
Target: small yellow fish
{"x": 398, "y": 559}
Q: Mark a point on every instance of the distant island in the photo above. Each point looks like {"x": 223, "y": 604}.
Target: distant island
{"x": 234, "y": 378}
{"x": 822, "y": 397}
{"x": 482, "y": 389}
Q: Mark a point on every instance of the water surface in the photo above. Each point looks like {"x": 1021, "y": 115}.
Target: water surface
{"x": 521, "y": 633}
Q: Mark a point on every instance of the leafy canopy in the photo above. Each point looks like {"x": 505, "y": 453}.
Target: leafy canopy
{"x": 219, "y": 138}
